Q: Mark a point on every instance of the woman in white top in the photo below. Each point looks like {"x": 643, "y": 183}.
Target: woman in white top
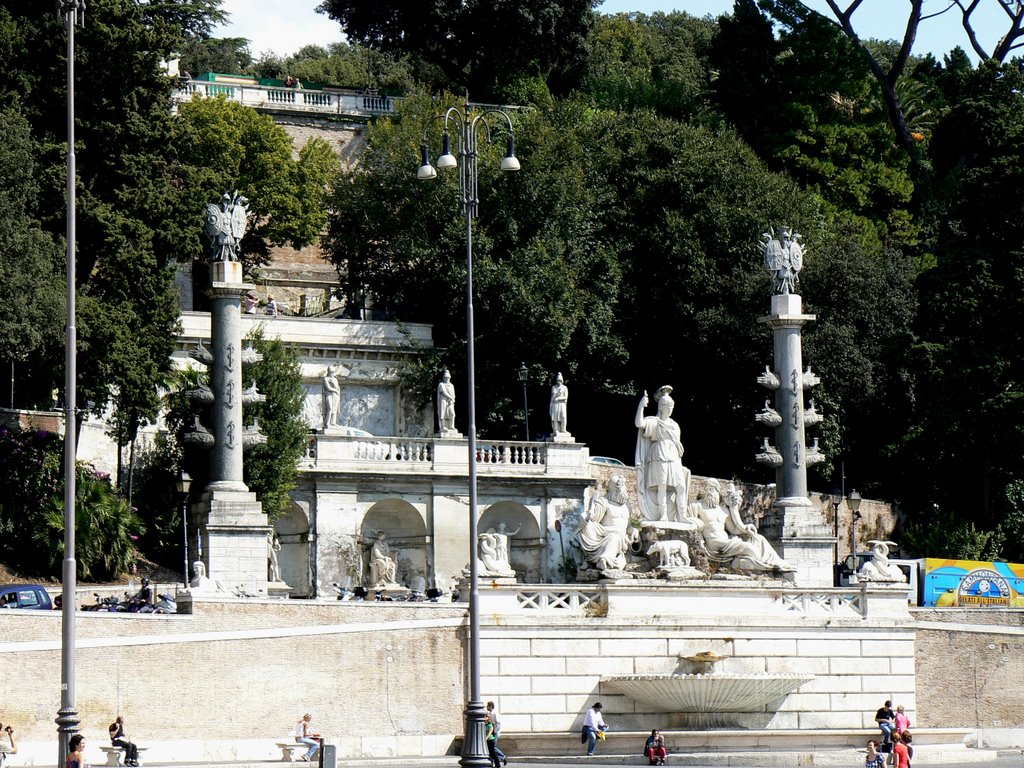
{"x": 304, "y": 735}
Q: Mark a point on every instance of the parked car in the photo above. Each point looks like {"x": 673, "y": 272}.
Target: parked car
{"x": 27, "y": 596}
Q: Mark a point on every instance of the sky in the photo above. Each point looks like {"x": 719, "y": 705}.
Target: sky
{"x": 284, "y": 26}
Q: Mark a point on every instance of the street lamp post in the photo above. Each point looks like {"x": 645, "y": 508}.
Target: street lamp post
{"x": 467, "y": 127}
{"x": 73, "y": 12}
{"x": 853, "y": 502}
{"x": 183, "y": 484}
{"x": 524, "y": 374}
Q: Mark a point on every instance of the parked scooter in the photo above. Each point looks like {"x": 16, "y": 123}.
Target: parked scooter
{"x": 104, "y": 604}
{"x": 165, "y": 603}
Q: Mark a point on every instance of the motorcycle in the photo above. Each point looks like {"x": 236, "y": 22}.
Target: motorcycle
{"x": 104, "y": 604}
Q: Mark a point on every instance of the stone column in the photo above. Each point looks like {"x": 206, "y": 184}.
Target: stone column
{"x": 804, "y": 539}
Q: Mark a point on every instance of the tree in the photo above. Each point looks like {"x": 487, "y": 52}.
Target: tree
{"x": 216, "y": 54}
{"x": 453, "y": 44}
{"x": 222, "y": 146}
{"x": 341, "y": 64}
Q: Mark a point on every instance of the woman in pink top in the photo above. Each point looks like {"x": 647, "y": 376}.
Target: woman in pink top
{"x": 902, "y": 721}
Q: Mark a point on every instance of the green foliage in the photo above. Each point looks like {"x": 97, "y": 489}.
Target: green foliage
{"x": 454, "y": 45}
{"x": 342, "y": 65}
{"x": 32, "y": 510}
{"x": 223, "y": 146}
{"x": 225, "y": 54}
{"x": 943, "y": 535}
{"x": 271, "y": 469}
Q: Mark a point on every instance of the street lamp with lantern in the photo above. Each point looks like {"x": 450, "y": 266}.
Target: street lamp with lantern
{"x": 524, "y": 374}
{"x": 183, "y": 484}
{"x": 853, "y": 502}
{"x": 467, "y": 126}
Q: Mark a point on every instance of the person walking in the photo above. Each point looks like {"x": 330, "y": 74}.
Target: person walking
{"x": 593, "y": 724}
{"x": 874, "y": 759}
{"x": 901, "y": 753}
{"x": 494, "y": 717}
{"x": 118, "y": 738}
{"x": 304, "y": 735}
{"x": 491, "y": 740}
{"x": 76, "y": 746}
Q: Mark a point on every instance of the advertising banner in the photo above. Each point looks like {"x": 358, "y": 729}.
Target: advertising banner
{"x": 973, "y": 583}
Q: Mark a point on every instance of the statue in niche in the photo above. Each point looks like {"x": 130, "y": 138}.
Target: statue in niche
{"x": 783, "y": 257}
{"x": 727, "y": 539}
{"x": 559, "y": 405}
{"x": 273, "y": 567}
{"x": 606, "y": 535}
{"x": 383, "y": 568}
{"x": 492, "y": 550}
{"x": 331, "y": 397}
{"x": 878, "y": 568}
{"x": 662, "y": 480}
{"x": 225, "y": 226}
{"x": 446, "y": 404}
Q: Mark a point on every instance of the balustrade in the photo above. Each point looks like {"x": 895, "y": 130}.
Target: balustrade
{"x": 313, "y": 101}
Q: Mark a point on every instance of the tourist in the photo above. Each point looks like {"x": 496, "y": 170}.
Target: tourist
{"x": 901, "y": 720}
{"x": 886, "y": 720}
{"x": 11, "y": 750}
{"x": 594, "y": 727}
{"x": 654, "y": 748}
{"x": 118, "y": 738}
{"x": 76, "y": 746}
{"x": 303, "y": 735}
{"x": 495, "y": 718}
{"x": 491, "y": 740}
{"x": 875, "y": 759}
{"x": 901, "y": 753}
{"x": 271, "y": 306}
{"x": 251, "y": 301}
{"x": 909, "y": 741}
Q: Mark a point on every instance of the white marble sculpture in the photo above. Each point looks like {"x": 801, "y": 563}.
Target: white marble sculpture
{"x": 383, "y": 568}
{"x": 492, "y": 552}
{"x": 728, "y": 540}
{"x": 273, "y": 566}
{"x": 606, "y": 534}
{"x": 200, "y": 581}
{"x": 878, "y": 568}
{"x": 783, "y": 257}
{"x": 446, "y": 405}
{"x": 672, "y": 553}
{"x": 559, "y": 405}
{"x": 663, "y": 483}
{"x": 331, "y": 397}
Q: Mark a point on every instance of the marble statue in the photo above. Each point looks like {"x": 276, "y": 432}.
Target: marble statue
{"x": 672, "y": 553}
{"x": 273, "y": 547}
{"x": 878, "y": 568}
{"x": 728, "y": 540}
{"x": 504, "y": 534}
{"x": 383, "y": 568}
{"x": 331, "y": 396}
{"x": 606, "y": 534}
{"x": 492, "y": 548}
{"x": 783, "y": 257}
{"x": 663, "y": 482}
{"x": 200, "y": 581}
{"x": 446, "y": 404}
{"x": 225, "y": 226}
{"x": 559, "y": 403}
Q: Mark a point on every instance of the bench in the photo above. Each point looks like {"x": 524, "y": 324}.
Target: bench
{"x": 289, "y": 748}
{"x": 114, "y": 754}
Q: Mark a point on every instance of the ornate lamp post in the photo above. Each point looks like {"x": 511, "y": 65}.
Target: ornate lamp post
{"x": 67, "y": 720}
{"x": 467, "y": 126}
{"x": 524, "y": 374}
{"x": 183, "y": 484}
{"x": 853, "y": 502}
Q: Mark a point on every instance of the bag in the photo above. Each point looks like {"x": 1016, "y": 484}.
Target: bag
{"x": 601, "y": 736}
{"x": 885, "y": 748}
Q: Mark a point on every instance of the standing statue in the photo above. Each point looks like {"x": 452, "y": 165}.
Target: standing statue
{"x": 273, "y": 547}
{"x": 783, "y": 257}
{"x": 383, "y": 567}
{"x": 331, "y": 397}
{"x": 606, "y": 534}
{"x": 225, "y": 226}
{"x": 446, "y": 404}
{"x": 728, "y": 540}
{"x": 662, "y": 480}
{"x": 559, "y": 402}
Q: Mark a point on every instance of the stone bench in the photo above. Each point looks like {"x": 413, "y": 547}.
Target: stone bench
{"x": 114, "y": 754}
{"x": 289, "y": 750}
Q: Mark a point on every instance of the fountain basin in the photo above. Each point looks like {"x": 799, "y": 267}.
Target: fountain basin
{"x": 716, "y": 700}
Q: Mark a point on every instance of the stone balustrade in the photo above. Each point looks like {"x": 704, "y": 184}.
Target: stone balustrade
{"x": 448, "y": 456}
{"x": 306, "y": 101}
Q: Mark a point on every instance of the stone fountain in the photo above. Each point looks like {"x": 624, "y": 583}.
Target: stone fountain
{"x": 709, "y": 699}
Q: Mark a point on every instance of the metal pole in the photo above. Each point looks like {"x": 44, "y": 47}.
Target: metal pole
{"x": 474, "y": 748}
{"x": 526, "y": 413}
{"x": 67, "y": 716}
{"x": 184, "y": 521}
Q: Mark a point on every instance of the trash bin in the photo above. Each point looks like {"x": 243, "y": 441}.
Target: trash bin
{"x": 328, "y": 756}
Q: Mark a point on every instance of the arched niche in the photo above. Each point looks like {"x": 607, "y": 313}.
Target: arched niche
{"x": 406, "y": 534}
{"x": 525, "y": 543}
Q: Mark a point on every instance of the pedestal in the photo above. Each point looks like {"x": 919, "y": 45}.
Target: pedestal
{"x": 233, "y": 533}
{"x": 562, "y": 437}
{"x": 798, "y": 530}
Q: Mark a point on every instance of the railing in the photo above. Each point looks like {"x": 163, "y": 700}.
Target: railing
{"x": 291, "y": 99}
{"x": 510, "y": 453}
{"x": 394, "y": 450}
{"x": 832, "y": 603}
{"x": 560, "y": 599}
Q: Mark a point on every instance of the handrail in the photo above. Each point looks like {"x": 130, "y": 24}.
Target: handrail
{"x": 273, "y": 98}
